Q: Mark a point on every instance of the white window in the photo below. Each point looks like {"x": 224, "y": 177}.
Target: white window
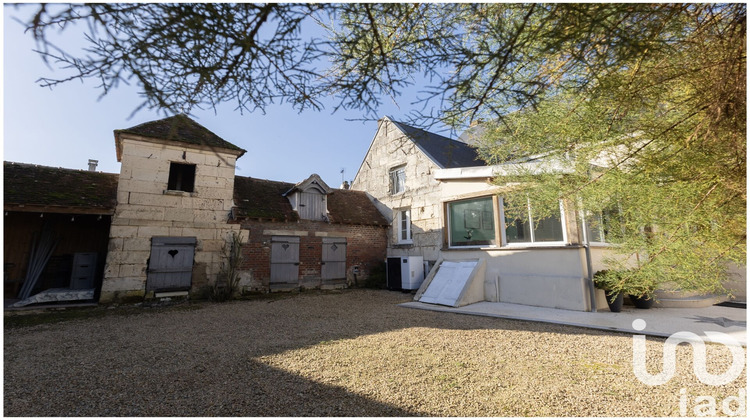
{"x": 474, "y": 223}
{"x": 526, "y": 228}
{"x": 398, "y": 179}
{"x": 404, "y": 226}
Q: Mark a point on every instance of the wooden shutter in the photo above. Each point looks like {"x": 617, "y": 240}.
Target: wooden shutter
{"x": 170, "y": 267}
{"x": 334, "y": 259}
{"x": 284, "y": 259}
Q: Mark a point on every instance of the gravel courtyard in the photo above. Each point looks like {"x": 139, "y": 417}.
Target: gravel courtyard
{"x": 349, "y": 353}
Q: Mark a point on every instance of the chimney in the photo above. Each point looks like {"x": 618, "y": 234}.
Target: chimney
{"x": 92, "y": 164}
{"x": 345, "y": 185}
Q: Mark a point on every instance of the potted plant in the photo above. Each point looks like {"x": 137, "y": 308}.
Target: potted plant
{"x": 640, "y": 287}
{"x": 611, "y": 282}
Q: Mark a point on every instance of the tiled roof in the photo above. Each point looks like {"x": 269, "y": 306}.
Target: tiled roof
{"x": 263, "y": 199}
{"x": 182, "y": 129}
{"x": 41, "y": 186}
{"x": 445, "y": 152}
{"x": 351, "y": 207}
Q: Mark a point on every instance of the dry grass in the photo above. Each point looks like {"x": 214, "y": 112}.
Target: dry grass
{"x": 334, "y": 354}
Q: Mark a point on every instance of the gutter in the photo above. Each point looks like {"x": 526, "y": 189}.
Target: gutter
{"x": 476, "y": 172}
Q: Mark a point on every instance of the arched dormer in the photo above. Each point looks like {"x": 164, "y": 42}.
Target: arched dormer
{"x": 309, "y": 198}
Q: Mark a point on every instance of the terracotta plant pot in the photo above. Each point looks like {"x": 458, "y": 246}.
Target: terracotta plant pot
{"x": 616, "y": 304}
{"x": 643, "y": 302}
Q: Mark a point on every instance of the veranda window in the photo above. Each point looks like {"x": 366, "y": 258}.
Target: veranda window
{"x": 525, "y": 227}
{"x": 601, "y": 226}
{"x": 471, "y": 222}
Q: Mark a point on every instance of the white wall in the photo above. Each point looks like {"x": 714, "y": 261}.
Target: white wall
{"x": 548, "y": 277}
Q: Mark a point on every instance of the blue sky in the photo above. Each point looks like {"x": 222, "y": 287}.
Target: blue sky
{"x": 67, "y": 125}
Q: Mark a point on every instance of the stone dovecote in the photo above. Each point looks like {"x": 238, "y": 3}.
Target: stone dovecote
{"x": 176, "y": 180}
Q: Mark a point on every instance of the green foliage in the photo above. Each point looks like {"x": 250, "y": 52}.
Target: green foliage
{"x": 482, "y": 60}
{"x": 662, "y": 139}
{"x": 376, "y": 278}
{"x": 633, "y": 282}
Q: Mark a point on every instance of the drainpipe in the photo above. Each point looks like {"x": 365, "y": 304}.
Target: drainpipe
{"x": 589, "y": 269}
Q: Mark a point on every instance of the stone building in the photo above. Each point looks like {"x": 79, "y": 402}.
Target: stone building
{"x": 176, "y": 183}
{"x": 448, "y": 206}
{"x": 175, "y": 205}
{"x": 398, "y": 171}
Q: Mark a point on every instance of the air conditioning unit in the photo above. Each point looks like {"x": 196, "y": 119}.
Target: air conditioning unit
{"x": 404, "y": 273}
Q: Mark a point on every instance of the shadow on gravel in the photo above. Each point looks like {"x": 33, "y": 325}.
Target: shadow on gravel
{"x": 204, "y": 362}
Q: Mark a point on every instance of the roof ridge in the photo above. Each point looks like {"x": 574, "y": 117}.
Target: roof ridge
{"x": 39, "y": 165}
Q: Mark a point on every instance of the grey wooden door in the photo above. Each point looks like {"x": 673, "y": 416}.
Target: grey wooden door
{"x": 170, "y": 266}
{"x": 334, "y": 259}
{"x": 284, "y": 259}
{"x": 312, "y": 205}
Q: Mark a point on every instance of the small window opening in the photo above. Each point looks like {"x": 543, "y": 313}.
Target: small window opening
{"x": 181, "y": 177}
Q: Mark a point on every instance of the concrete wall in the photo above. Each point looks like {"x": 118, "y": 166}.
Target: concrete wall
{"x": 548, "y": 277}
{"x": 145, "y": 209}
{"x": 391, "y": 148}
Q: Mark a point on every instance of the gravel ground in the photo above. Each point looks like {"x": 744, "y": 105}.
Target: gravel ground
{"x": 351, "y": 353}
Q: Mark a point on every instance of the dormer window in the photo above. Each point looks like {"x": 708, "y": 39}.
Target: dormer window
{"x": 309, "y": 199}
{"x": 181, "y": 177}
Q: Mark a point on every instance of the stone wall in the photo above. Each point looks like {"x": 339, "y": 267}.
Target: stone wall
{"x": 391, "y": 148}
{"x": 146, "y": 209}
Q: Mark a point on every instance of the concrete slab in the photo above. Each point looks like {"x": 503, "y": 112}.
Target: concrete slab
{"x": 659, "y": 322}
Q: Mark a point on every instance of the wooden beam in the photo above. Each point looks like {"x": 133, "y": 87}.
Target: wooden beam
{"x": 58, "y": 209}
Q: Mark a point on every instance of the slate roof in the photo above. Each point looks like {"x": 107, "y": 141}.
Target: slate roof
{"x": 445, "y": 152}
{"x": 44, "y": 186}
{"x": 263, "y": 199}
{"x": 182, "y": 129}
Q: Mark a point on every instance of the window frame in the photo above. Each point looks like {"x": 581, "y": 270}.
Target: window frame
{"x": 533, "y": 243}
{"x": 495, "y": 221}
{"x": 404, "y": 215}
{"x": 395, "y": 180}
{"x": 586, "y": 215}
{"x": 501, "y": 240}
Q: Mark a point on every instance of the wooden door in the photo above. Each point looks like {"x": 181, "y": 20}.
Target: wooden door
{"x": 284, "y": 259}
{"x": 312, "y": 205}
{"x": 170, "y": 266}
{"x": 334, "y": 259}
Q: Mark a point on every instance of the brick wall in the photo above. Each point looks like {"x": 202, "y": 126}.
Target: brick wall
{"x": 365, "y": 249}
